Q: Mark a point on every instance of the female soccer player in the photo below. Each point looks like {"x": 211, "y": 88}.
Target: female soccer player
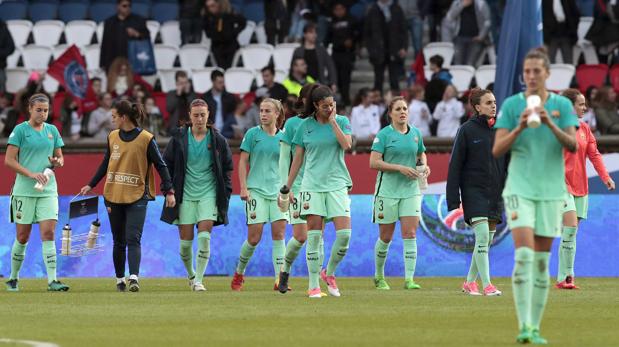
{"x": 578, "y": 189}
{"x": 200, "y": 162}
{"x": 129, "y": 185}
{"x": 535, "y": 191}
{"x": 321, "y": 141}
{"x": 478, "y": 177}
{"x": 259, "y": 188}
{"x": 32, "y": 147}
{"x": 395, "y": 152}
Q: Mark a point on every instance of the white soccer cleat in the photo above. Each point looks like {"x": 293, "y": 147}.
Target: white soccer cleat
{"x": 198, "y": 287}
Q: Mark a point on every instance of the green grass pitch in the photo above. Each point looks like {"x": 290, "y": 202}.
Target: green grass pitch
{"x": 167, "y": 313}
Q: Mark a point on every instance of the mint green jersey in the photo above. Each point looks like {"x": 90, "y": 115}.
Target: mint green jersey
{"x": 401, "y": 149}
{"x": 290, "y": 128}
{"x": 35, "y": 148}
{"x": 263, "y": 152}
{"x": 536, "y": 168}
{"x": 199, "y": 177}
{"x": 325, "y": 168}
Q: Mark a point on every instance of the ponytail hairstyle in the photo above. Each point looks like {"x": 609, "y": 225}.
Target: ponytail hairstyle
{"x": 199, "y": 103}
{"x": 135, "y": 112}
{"x": 317, "y": 94}
{"x": 306, "y": 91}
{"x": 39, "y": 97}
{"x": 279, "y": 108}
{"x": 539, "y": 53}
{"x": 475, "y": 97}
{"x": 571, "y": 94}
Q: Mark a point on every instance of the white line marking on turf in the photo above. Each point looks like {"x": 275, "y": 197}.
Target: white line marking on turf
{"x": 29, "y": 343}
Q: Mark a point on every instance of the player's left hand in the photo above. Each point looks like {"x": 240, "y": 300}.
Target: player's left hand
{"x": 333, "y": 113}
{"x": 56, "y": 162}
{"x": 610, "y": 184}
{"x": 427, "y": 173}
{"x": 543, "y": 115}
{"x": 170, "y": 201}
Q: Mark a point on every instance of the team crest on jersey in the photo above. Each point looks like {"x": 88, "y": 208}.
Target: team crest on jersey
{"x": 555, "y": 114}
{"x": 306, "y": 206}
{"x": 582, "y": 136}
{"x": 18, "y": 215}
{"x": 50, "y": 136}
{"x": 514, "y": 215}
{"x": 416, "y": 138}
{"x": 252, "y": 215}
{"x": 381, "y": 216}
{"x": 296, "y": 214}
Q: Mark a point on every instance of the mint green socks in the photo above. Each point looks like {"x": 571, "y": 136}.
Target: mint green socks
{"x": 204, "y": 254}
{"x": 18, "y": 253}
{"x": 410, "y": 257}
{"x": 49, "y": 258}
{"x": 381, "y": 249}
{"x": 186, "y": 252}
{"x": 567, "y": 253}
{"x": 339, "y": 249}
{"x": 292, "y": 252}
{"x": 247, "y": 251}
{"x": 522, "y": 284}
{"x": 277, "y": 256}
{"x": 541, "y": 286}
{"x": 313, "y": 257}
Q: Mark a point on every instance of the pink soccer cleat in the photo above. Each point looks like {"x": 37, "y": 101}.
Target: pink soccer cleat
{"x": 332, "y": 285}
{"x": 314, "y": 293}
{"x": 470, "y": 288}
{"x": 491, "y": 290}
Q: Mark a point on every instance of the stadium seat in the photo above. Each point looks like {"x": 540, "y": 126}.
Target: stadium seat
{"x": 36, "y": 57}
{"x": 47, "y": 32}
{"x": 16, "y": 79}
{"x": 101, "y": 10}
{"x": 79, "y": 32}
{"x": 100, "y": 74}
{"x": 462, "y": 76}
{"x": 99, "y": 32}
{"x": 560, "y": 76}
{"x": 166, "y": 78}
{"x": 13, "y": 59}
{"x": 280, "y": 75}
{"x": 282, "y": 55}
{"x": 43, "y": 10}
{"x": 170, "y": 33}
{"x": 583, "y": 45}
{"x": 50, "y": 84}
{"x": 141, "y": 7}
{"x": 201, "y": 79}
{"x": 165, "y": 11}
{"x": 427, "y": 72}
{"x": 484, "y": 75}
{"x": 613, "y": 76}
{"x": 20, "y": 30}
{"x": 591, "y": 75}
{"x": 153, "y": 29}
{"x": 255, "y": 56}
{"x": 444, "y": 49}
{"x": 261, "y": 33}
{"x": 165, "y": 55}
{"x": 92, "y": 54}
{"x": 16, "y": 9}
{"x": 253, "y": 10}
{"x": 58, "y": 50}
{"x": 73, "y": 10}
{"x": 238, "y": 80}
{"x": 245, "y": 35}
{"x": 193, "y": 56}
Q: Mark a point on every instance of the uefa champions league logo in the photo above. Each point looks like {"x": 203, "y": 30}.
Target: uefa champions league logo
{"x": 448, "y": 229}
{"x": 76, "y": 79}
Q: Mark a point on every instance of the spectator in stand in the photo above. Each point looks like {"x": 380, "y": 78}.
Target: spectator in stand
{"x": 377, "y": 99}
{"x": 118, "y": 30}
{"x": 100, "y": 120}
{"x": 190, "y": 20}
{"x": 276, "y": 20}
{"x": 560, "y": 19}
{"x": 437, "y": 11}
{"x": 297, "y": 77}
{"x": 251, "y": 117}
{"x": 440, "y": 79}
{"x": 343, "y": 33}
{"x": 223, "y": 26}
{"x": 589, "y": 116}
{"x": 470, "y": 22}
{"x": 606, "y": 111}
{"x": 414, "y": 18}
{"x": 7, "y": 47}
{"x": 298, "y": 19}
{"x": 8, "y": 115}
{"x": 96, "y": 85}
{"x": 120, "y": 78}
{"x": 365, "y": 117}
{"x": 221, "y": 105}
{"x": 419, "y": 114}
{"x": 386, "y": 39}
{"x": 448, "y": 113}
{"x": 276, "y": 90}
{"x": 70, "y": 118}
{"x": 319, "y": 63}
{"x": 154, "y": 119}
{"x": 34, "y": 86}
{"x": 178, "y": 101}
{"x": 604, "y": 31}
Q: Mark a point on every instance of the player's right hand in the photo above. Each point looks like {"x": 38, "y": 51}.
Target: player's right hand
{"x": 39, "y": 177}
{"x": 85, "y": 190}
{"x": 409, "y": 172}
{"x": 524, "y": 116}
{"x": 244, "y": 194}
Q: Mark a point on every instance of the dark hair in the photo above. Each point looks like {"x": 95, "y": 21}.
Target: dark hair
{"x": 317, "y": 94}
{"x": 39, "y": 97}
{"x": 589, "y": 91}
{"x": 95, "y": 79}
{"x": 306, "y": 91}
{"x": 215, "y": 74}
{"x": 292, "y": 61}
{"x": 135, "y": 112}
{"x": 309, "y": 26}
{"x": 437, "y": 60}
{"x": 179, "y": 74}
{"x": 571, "y": 94}
{"x": 118, "y": 2}
{"x": 268, "y": 68}
{"x": 602, "y": 99}
{"x": 392, "y": 103}
{"x": 539, "y": 53}
{"x": 362, "y": 93}
{"x": 475, "y": 96}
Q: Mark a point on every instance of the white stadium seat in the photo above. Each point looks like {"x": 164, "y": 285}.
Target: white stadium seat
{"x": 238, "y": 80}
{"x": 79, "y": 32}
{"x": 444, "y": 49}
{"x": 462, "y": 76}
{"x": 166, "y": 78}
{"x": 560, "y": 76}
{"x": 282, "y": 55}
{"x": 280, "y": 75}
{"x": 16, "y": 79}
{"x": 20, "y": 30}
{"x": 47, "y": 32}
{"x": 255, "y": 56}
{"x": 170, "y": 33}
{"x": 99, "y": 32}
{"x": 92, "y": 53}
{"x": 245, "y": 35}
{"x": 58, "y": 50}
{"x": 193, "y": 56}
{"x": 36, "y": 57}
{"x": 153, "y": 29}
{"x": 583, "y": 45}
{"x": 50, "y": 84}
{"x": 165, "y": 55}
{"x": 201, "y": 79}
{"x": 485, "y": 75}
{"x": 13, "y": 59}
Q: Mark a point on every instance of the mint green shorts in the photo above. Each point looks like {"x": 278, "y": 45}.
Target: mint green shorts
{"x": 195, "y": 211}
{"x": 294, "y": 211}
{"x": 544, "y": 216}
{"x": 260, "y": 209}
{"x": 31, "y": 210}
{"x": 580, "y": 204}
{"x": 388, "y": 210}
{"x": 326, "y": 204}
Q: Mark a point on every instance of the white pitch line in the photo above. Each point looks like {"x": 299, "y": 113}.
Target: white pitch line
{"x": 29, "y": 343}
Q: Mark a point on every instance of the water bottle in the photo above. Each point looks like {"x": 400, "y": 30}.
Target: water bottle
{"x": 283, "y": 199}
{"x": 93, "y": 233}
{"x": 47, "y": 173}
{"x": 534, "y": 119}
{"x": 66, "y": 240}
{"x": 423, "y": 179}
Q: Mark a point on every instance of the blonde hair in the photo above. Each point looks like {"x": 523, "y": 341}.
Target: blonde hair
{"x": 279, "y": 108}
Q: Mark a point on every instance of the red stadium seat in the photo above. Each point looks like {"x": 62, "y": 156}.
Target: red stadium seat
{"x": 614, "y": 77}
{"x": 591, "y": 75}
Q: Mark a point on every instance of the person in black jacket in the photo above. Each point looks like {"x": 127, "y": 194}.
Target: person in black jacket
{"x": 560, "y": 27}
{"x": 476, "y": 176}
{"x": 221, "y": 104}
{"x": 200, "y": 163}
{"x": 118, "y": 30}
{"x": 7, "y": 47}
{"x": 222, "y": 26}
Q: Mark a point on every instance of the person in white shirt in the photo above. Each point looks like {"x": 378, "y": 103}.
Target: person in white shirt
{"x": 418, "y": 111}
{"x": 365, "y": 117}
{"x": 448, "y": 113}
{"x": 100, "y": 120}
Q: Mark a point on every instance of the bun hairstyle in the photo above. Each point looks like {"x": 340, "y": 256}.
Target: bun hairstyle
{"x": 135, "y": 112}
{"x": 571, "y": 94}
{"x": 315, "y": 96}
{"x": 475, "y": 97}
{"x": 539, "y": 53}
{"x": 279, "y": 108}
{"x": 39, "y": 97}
{"x": 299, "y": 106}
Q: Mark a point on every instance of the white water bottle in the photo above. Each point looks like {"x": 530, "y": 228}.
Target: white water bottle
{"x": 284, "y": 199}
{"x": 47, "y": 173}
{"x": 423, "y": 179}
{"x": 534, "y": 119}
{"x": 66, "y": 240}
{"x": 93, "y": 233}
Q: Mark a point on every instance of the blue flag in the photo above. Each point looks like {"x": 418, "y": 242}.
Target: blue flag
{"x": 521, "y": 30}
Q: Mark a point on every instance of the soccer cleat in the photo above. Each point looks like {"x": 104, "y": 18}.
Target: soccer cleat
{"x": 121, "y": 287}
{"x": 331, "y": 284}
{"x": 561, "y": 285}
{"x": 537, "y": 339}
{"x": 381, "y": 284}
{"x": 410, "y": 284}
{"x": 470, "y": 288}
{"x": 282, "y": 284}
{"x": 191, "y": 281}
{"x": 12, "y": 286}
{"x": 198, "y": 287}
{"x": 491, "y": 290}
{"x": 57, "y": 286}
{"x": 134, "y": 286}
{"x": 524, "y": 336}
{"x": 569, "y": 281}
{"x": 237, "y": 282}
{"x": 315, "y": 293}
